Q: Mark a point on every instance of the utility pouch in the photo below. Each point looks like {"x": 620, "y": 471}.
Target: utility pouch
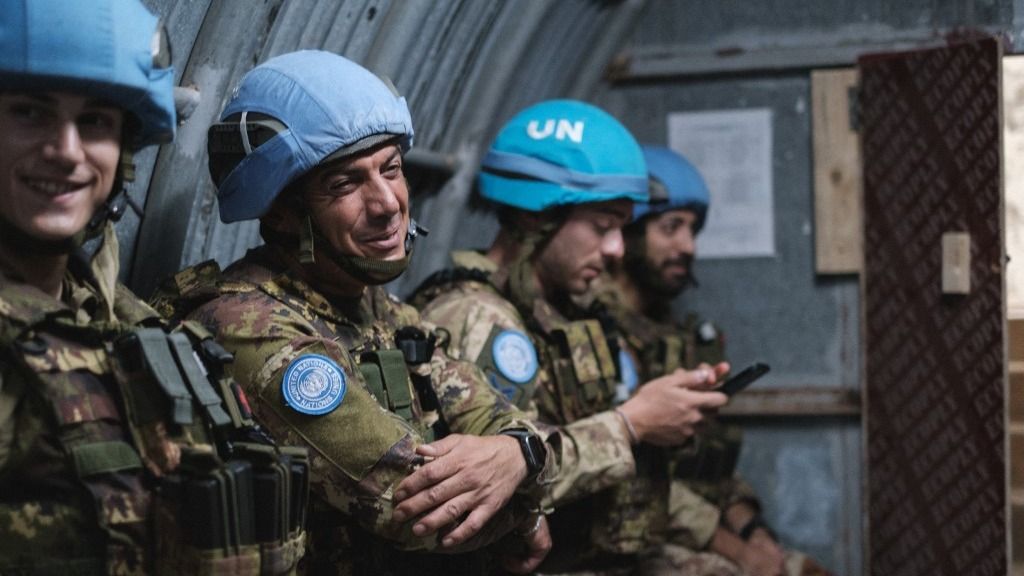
{"x": 281, "y": 486}
{"x": 418, "y": 347}
{"x": 298, "y": 468}
{"x": 387, "y": 378}
{"x": 147, "y": 350}
{"x": 670, "y": 349}
{"x": 218, "y": 501}
{"x": 146, "y": 358}
{"x": 585, "y": 370}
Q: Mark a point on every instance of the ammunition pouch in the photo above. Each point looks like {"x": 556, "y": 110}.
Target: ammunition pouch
{"x": 585, "y": 374}
{"x": 245, "y": 515}
{"x": 243, "y": 497}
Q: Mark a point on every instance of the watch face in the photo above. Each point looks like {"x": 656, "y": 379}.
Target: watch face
{"x": 538, "y": 453}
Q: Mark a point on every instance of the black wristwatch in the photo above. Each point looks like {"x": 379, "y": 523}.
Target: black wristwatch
{"x": 534, "y": 451}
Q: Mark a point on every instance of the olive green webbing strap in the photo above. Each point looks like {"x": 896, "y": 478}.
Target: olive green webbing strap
{"x": 157, "y": 353}
{"x": 387, "y": 378}
{"x": 195, "y": 374}
{"x": 104, "y": 457}
{"x": 374, "y": 381}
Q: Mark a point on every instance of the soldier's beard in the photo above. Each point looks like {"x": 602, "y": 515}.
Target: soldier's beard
{"x": 653, "y": 280}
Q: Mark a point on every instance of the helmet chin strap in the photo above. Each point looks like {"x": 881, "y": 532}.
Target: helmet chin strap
{"x": 118, "y": 202}
{"x": 370, "y": 271}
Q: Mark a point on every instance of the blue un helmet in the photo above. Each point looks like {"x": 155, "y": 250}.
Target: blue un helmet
{"x": 675, "y": 184}
{"x": 110, "y": 49}
{"x": 292, "y": 113}
{"x": 563, "y": 152}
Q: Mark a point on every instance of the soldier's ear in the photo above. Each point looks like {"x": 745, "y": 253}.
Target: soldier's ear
{"x": 288, "y": 209}
{"x": 281, "y": 217}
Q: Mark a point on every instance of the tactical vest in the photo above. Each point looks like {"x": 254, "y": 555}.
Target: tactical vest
{"x": 664, "y": 348}
{"x": 141, "y": 451}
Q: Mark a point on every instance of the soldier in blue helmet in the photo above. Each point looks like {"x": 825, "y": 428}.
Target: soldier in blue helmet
{"x": 715, "y": 525}
{"x": 102, "y": 406}
{"x": 565, "y": 175}
{"x": 312, "y": 145}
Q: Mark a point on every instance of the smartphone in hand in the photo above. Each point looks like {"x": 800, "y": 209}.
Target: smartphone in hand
{"x": 743, "y": 379}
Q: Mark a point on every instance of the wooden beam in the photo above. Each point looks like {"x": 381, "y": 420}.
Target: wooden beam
{"x": 1013, "y": 185}
{"x": 838, "y": 188}
{"x": 810, "y": 401}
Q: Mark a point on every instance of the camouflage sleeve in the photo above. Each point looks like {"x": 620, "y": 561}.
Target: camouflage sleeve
{"x": 595, "y": 454}
{"x": 467, "y": 401}
{"x": 692, "y": 519}
{"x": 359, "y": 452}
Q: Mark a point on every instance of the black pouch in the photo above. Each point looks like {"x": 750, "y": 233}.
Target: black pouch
{"x": 206, "y": 507}
{"x": 298, "y": 467}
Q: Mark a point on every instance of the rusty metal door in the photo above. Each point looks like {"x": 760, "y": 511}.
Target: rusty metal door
{"x": 935, "y": 363}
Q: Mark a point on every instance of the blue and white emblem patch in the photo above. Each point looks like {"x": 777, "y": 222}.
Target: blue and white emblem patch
{"x": 629, "y": 375}
{"x": 514, "y": 356}
{"x": 313, "y": 384}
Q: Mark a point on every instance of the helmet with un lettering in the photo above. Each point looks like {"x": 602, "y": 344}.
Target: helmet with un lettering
{"x": 563, "y": 152}
{"x": 290, "y": 114}
{"x": 675, "y": 184}
{"x": 110, "y": 49}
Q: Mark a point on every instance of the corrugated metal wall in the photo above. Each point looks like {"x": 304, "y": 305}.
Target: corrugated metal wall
{"x": 464, "y": 65}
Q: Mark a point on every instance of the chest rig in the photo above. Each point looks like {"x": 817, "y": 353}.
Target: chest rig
{"x": 134, "y": 436}
{"x": 579, "y": 357}
{"x": 665, "y": 347}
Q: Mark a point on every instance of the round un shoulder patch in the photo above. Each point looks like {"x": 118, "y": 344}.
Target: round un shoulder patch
{"x": 514, "y": 356}
{"x": 313, "y": 384}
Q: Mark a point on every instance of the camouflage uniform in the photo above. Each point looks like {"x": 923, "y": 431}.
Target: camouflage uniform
{"x": 59, "y": 398}
{"x": 704, "y": 481}
{"x": 84, "y": 436}
{"x": 362, "y": 449}
{"x": 610, "y": 498}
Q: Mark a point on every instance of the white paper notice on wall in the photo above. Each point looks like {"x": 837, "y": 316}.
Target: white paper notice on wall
{"x": 732, "y": 149}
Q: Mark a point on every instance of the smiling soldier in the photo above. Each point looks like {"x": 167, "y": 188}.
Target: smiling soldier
{"x": 312, "y": 145}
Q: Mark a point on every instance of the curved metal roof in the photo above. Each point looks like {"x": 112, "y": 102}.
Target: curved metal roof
{"x": 464, "y": 65}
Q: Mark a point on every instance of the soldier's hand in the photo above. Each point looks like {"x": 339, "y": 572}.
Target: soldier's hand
{"x": 529, "y": 548}
{"x": 762, "y": 561}
{"x": 469, "y": 479}
{"x": 665, "y": 410}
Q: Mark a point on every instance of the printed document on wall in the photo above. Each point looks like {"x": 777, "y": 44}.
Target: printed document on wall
{"x": 732, "y": 149}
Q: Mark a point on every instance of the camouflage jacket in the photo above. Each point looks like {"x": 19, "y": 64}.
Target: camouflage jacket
{"x": 364, "y": 447}
{"x": 59, "y": 402}
{"x": 657, "y": 348}
{"x": 618, "y": 493}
